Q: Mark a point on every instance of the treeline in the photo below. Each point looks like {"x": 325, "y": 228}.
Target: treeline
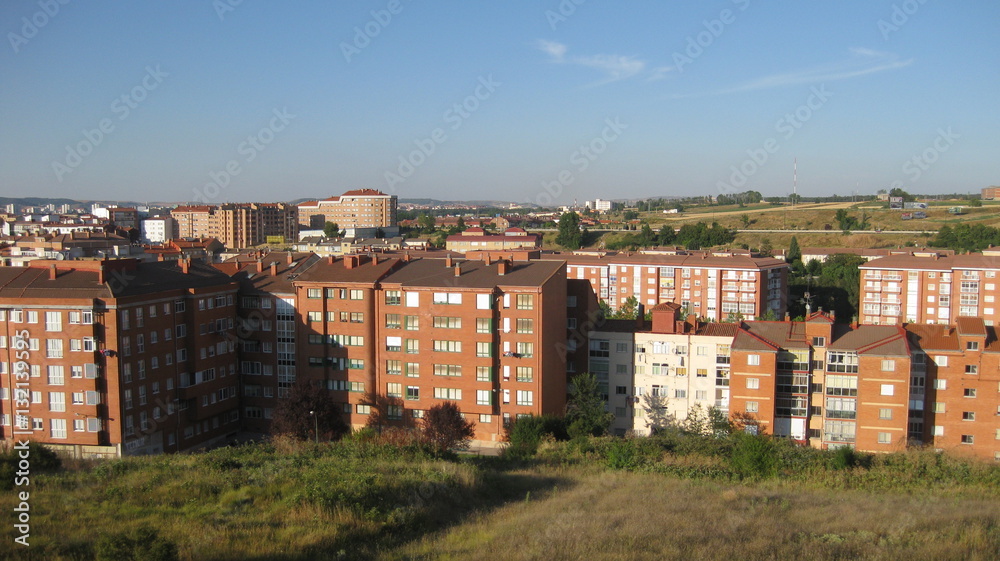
{"x": 691, "y": 236}
{"x": 965, "y": 237}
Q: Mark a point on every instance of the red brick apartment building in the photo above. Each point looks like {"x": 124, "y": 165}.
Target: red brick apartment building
{"x": 237, "y": 225}
{"x": 929, "y": 288}
{"x": 827, "y": 384}
{"x": 267, "y": 329}
{"x": 709, "y": 284}
{"x": 431, "y": 330}
{"x": 962, "y": 367}
{"x": 358, "y": 208}
{"x": 120, "y": 357}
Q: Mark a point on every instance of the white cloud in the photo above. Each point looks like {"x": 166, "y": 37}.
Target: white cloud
{"x": 614, "y": 67}
{"x": 862, "y": 62}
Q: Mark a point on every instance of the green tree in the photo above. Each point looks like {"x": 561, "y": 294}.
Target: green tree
{"x": 585, "y": 410}
{"x": 745, "y": 220}
{"x": 426, "y": 222}
{"x": 305, "y": 408}
{"x": 666, "y": 235}
{"x": 331, "y": 230}
{"x": 794, "y": 253}
{"x": 570, "y": 236}
{"x": 445, "y": 429}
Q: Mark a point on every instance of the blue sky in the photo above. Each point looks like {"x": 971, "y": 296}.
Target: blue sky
{"x": 541, "y": 101}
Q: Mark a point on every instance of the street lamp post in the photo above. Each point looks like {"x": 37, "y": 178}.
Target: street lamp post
{"x": 316, "y": 420}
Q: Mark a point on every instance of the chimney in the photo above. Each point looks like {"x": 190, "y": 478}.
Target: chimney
{"x": 288, "y": 260}
{"x": 503, "y": 267}
{"x": 159, "y": 257}
{"x": 274, "y": 268}
{"x": 788, "y": 317}
{"x": 406, "y": 257}
{"x": 374, "y": 259}
{"x": 640, "y": 317}
{"x": 447, "y": 261}
{"x": 53, "y": 273}
{"x": 260, "y": 266}
{"x": 330, "y": 259}
{"x": 101, "y": 276}
{"x": 833, "y": 315}
{"x": 458, "y": 270}
{"x": 186, "y": 265}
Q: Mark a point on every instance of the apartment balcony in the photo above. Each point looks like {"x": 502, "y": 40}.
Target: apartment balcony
{"x": 730, "y": 287}
{"x": 873, "y": 298}
{"x": 873, "y": 276}
{"x": 896, "y": 289}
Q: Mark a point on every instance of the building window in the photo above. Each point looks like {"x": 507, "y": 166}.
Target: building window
{"x": 364, "y": 409}
{"x": 842, "y": 386}
{"x": 753, "y": 360}
{"x": 393, "y": 321}
{"x": 971, "y": 369}
{"x": 888, "y": 389}
{"x": 525, "y": 374}
{"x": 447, "y": 370}
{"x": 968, "y": 439}
{"x": 484, "y": 349}
{"x": 412, "y": 369}
{"x": 58, "y": 428}
{"x": 885, "y": 414}
{"x": 393, "y": 297}
{"x": 412, "y": 393}
{"x": 394, "y": 389}
{"x": 525, "y": 397}
{"x": 888, "y": 366}
{"x": 525, "y": 301}
{"x": 442, "y": 322}
{"x": 753, "y": 383}
{"x": 972, "y": 345}
{"x": 411, "y": 323}
{"x": 315, "y": 316}
{"x": 448, "y": 393}
{"x": 969, "y": 392}
{"x": 393, "y": 367}
{"x": 447, "y": 346}
{"x": 968, "y": 415}
{"x": 525, "y": 350}
{"x": 752, "y": 407}
{"x": 56, "y": 375}
{"x": 484, "y": 397}
{"x": 884, "y": 438}
{"x": 314, "y": 293}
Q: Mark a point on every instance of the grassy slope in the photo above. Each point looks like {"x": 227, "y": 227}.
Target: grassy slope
{"x": 358, "y": 500}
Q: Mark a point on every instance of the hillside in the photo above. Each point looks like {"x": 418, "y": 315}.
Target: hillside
{"x": 669, "y": 497}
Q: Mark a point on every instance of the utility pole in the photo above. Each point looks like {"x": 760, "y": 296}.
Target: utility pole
{"x": 316, "y": 421}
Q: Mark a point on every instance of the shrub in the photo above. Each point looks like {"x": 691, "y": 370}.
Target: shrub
{"x": 526, "y": 433}
{"x": 140, "y": 544}
{"x": 42, "y": 460}
{"x": 445, "y": 429}
{"x": 754, "y": 456}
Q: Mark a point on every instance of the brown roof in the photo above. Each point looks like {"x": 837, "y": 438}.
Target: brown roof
{"x": 944, "y": 263}
{"x": 367, "y": 272}
{"x": 263, "y": 281}
{"x": 781, "y": 334}
{"x": 123, "y": 277}
{"x": 727, "y": 329}
{"x": 747, "y": 341}
{"x": 475, "y": 274}
{"x": 884, "y": 340}
{"x": 669, "y": 260}
{"x": 973, "y": 327}
{"x": 932, "y": 337}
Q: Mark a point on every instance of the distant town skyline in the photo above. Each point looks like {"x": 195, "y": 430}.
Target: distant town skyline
{"x": 545, "y": 102}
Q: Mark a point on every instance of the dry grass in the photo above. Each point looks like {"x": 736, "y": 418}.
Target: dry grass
{"x": 629, "y": 516}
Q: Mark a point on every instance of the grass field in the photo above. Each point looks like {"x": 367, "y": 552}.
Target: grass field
{"x": 817, "y": 216}
{"x": 596, "y": 499}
